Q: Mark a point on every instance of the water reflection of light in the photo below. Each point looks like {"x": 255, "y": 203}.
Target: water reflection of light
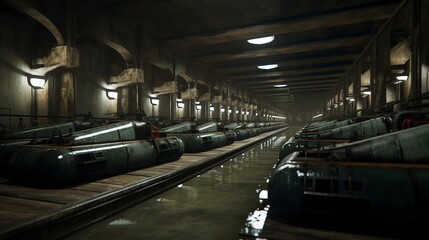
{"x": 256, "y": 220}
{"x": 121, "y": 222}
{"x": 263, "y": 194}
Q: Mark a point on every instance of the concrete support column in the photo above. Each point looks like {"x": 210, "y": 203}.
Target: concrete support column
{"x": 67, "y": 94}
{"x": 382, "y": 70}
{"x": 173, "y": 106}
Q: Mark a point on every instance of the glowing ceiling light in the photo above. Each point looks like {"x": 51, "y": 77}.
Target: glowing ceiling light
{"x": 268, "y": 66}
{"x": 261, "y": 40}
{"x": 280, "y": 85}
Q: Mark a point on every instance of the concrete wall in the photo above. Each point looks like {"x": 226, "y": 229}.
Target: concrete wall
{"x": 17, "y": 33}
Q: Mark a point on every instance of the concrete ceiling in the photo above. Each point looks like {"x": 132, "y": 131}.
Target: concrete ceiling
{"x": 315, "y": 41}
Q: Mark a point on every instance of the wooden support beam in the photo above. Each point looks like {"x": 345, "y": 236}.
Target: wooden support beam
{"x": 289, "y": 49}
{"x": 345, "y": 58}
{"x": 297, "y": 25}
{"x": 283, "y": 72}
{"x": 290, "y": 85}
{"x": 273, "y": 90}
{"x": 287, "y": 79}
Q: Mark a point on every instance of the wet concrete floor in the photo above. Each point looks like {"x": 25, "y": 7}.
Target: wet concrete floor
{"x": 214, "y": 205}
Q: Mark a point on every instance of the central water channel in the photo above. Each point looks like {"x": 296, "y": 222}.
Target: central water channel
{"x": 213, "y": 205}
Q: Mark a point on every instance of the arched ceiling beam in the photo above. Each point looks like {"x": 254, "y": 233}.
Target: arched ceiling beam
{"x": 287, "y": 49}
{"x": 39, "y": 17}
{"x": 298, "y": 25}
{"x": 125, "y": 53}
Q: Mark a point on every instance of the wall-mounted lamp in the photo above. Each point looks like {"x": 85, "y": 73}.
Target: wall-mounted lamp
{"x": 111, "y": 94}
{"x": 211, "y": 108}
{"x": 222, "y": 109}
{"x": 247, "y": 112}
{"x": 256, "y": 114}
{"x": 180, "y": 104}
{"x": 36, "y": 82}
{"x": 350, "y": 99}
{"x": 365, "y": 93}
{"x": 236, "y": 112}
{"x": 400, "y": 73}
{"x": 229, "y": 110}
{"x": 154, "y": 101}
{"x": 198, "y": 106}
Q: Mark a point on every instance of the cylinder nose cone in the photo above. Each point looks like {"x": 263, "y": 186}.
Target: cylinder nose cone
{"x": 285, "y": 191}
{"x": 287, "y": 149}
